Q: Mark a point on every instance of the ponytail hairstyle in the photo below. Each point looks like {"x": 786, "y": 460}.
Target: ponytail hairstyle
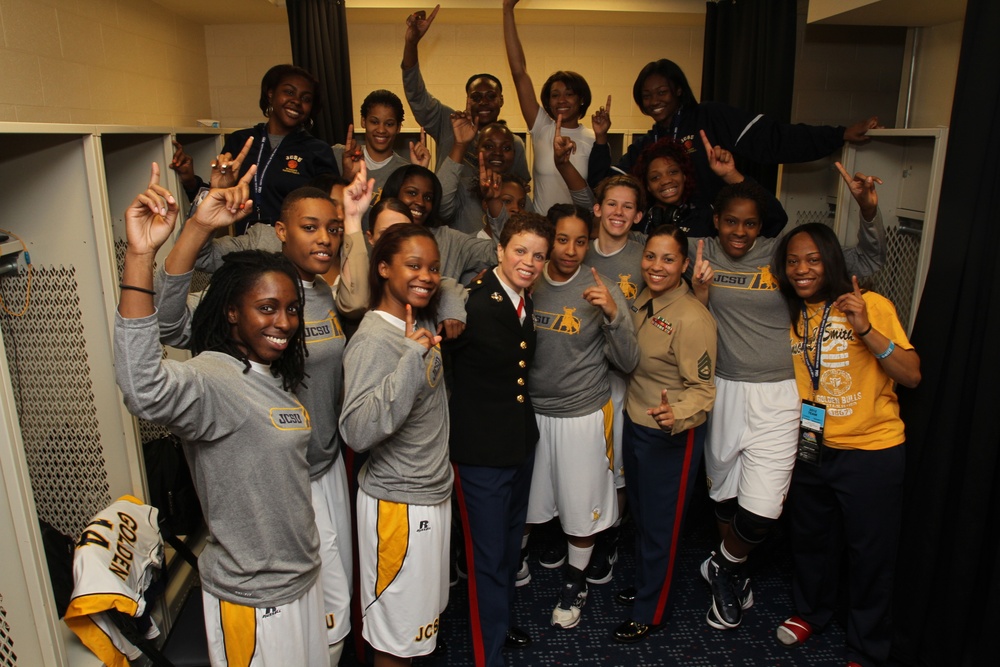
{"x": 387, "y": 247}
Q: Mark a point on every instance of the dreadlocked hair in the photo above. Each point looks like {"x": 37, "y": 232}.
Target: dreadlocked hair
{"x": 210, "y": 327}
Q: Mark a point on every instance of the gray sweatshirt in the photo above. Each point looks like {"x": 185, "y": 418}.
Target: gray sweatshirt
{"x": 462, "y": 254}
{"x": 320, "y": 392}
{"x": 436, "y": 119}
{"x": 245, "y": 439}
{"x": 396, "y": 408}
{"x": 750, "y": 311}
{"x": 624, "y": 266}
{"x": 576, "y": 344}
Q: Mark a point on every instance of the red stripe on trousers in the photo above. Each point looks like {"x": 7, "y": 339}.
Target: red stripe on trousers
{"x": 478, "y": 649}
{"x": 661, "y": 604}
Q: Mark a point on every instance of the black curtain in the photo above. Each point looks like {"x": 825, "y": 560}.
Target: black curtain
{"x": 749, "y": 63}
{"x": 947, "y": 602}
{"x": 318, "y": 31}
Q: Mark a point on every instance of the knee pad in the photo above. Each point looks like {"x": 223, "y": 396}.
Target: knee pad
{"x": 725, "y": 510}
{"x": 751, "y": 528}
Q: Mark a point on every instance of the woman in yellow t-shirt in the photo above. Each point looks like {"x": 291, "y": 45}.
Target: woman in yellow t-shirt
{"x": 849, "y": 351}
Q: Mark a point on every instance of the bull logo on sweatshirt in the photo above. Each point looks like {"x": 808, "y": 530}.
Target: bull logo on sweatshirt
{"x": 566, "y": 322}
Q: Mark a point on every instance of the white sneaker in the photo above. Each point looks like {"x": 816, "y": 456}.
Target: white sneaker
{"x": 572, "y": 597}
{"x": 523, "y": 577}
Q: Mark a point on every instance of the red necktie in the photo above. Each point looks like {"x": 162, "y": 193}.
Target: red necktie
{"x": 520, "y": 307}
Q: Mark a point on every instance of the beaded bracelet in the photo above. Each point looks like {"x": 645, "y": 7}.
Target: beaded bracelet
{"x": 865, "y": 332}
{"x": 137, "y": 289}
{"x": 888, "y": 351}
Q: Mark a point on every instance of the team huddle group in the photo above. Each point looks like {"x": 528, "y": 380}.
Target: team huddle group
{"x": 572, "y": 342}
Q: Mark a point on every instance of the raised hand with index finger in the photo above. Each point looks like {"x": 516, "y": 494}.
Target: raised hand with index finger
{"x": 226, "y": 168}
{"x": 225, "y": 206}
{"x": 600, "y": 296}
{"x": 862, "y": 188}
{"x": 419, "y": 154}
{"x": 151, "y": 216}
{"x": 663, "y": 414}
{"x": 418, "y": 23}
{"x": 357, "y": 198}
{"x": 490, "y": 182}
{"x": 601, "y": 122}
{"x": 352, "y": 154}
{"x": 853, "y": 306}
{"x": 720, "y": 161}
{"x": 702, "y": 274}
{"x": 419, "y": 335}
{"x": 562, "y": 147}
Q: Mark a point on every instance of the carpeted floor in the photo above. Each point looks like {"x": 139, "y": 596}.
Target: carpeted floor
{"x": 686, "y": 639}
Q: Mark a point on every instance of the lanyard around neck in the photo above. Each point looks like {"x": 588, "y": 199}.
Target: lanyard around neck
{"x": 813, "y": 365}
{"x": 258, "y": 178}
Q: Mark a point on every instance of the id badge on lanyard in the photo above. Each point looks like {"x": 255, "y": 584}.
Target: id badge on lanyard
{"x": 812, "y": 420}
{"x": 811, "y": 424}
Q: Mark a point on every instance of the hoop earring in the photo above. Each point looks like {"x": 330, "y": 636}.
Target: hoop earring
{"x": 268, "y": 111}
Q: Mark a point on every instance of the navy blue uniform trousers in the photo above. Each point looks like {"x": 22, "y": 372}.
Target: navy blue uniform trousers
{"x": 660, "y": 472}
{"x": 493, "y": 505}
{"x": 852, "y": 501}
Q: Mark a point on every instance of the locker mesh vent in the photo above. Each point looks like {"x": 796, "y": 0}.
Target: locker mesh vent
{"x": 898, "y": 278}
{"x": 7, "y": 656}
{"x": 802, "y": 217}
{"x": 50, "y": 376}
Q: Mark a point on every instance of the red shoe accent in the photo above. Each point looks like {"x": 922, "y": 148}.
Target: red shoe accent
{"x": 794, "y": 631}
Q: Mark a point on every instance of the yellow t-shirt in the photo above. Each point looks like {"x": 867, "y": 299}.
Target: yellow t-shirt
{"x": 862, "y": 411}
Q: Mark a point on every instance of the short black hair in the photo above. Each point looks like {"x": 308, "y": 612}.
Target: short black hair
{"x": 488, "y": 77}
{"x": 325, "y": 182}
{"x": 745, "y": 189}
{"x": 559, "y": 211}
{"x": 297, "y": 195}
{"x": 529, "y": 223}
{"x": 386, "y": 98}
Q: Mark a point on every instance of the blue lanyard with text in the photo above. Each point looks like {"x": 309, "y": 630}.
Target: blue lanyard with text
{"x": 813, "y": 366}
{"x": 258, "y": 178}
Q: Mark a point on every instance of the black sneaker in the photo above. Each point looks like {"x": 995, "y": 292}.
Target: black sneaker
{"x": 553, "y": 556}
{"x": 602, "y": 562}
{"x": 727, "y": 606}
{"x": 743, "y": 589}
{"x": 572, "y": 597}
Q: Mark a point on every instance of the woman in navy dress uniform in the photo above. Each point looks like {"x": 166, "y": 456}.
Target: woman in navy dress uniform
{"x": 493, "y": 430}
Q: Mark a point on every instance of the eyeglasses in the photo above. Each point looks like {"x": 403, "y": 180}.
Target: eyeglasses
{"x": 489, "y": 96}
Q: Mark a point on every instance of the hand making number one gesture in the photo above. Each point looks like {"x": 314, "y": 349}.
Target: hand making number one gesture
{"x": 721, "y": 161}
{"x": 853, "y": 306}
{"x": 862, "y": 188}
{"x": 702, "y": 274}
{"x": 419, "y": 154}
{"x": 562, "y": 147}
{"x": 421, "y": 335}
{"x": 663, "y": 414}
{"x": 151, "y": 216}
{"x": 418, "y": 23}
{"x": 600, "y": 296}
